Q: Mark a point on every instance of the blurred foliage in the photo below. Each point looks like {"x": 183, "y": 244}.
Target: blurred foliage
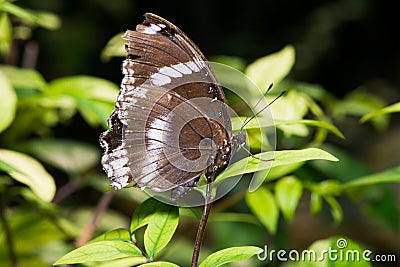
{"x": 51, "y": 185}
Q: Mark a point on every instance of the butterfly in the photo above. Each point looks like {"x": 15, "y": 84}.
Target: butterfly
{"x": 170, "y": 123}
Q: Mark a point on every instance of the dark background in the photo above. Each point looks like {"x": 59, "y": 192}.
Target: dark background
{"x": 340, "y": 45}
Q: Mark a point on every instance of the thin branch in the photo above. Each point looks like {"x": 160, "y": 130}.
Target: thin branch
{"x": 65, "y": 191}
{"x": 90, "y": 228}
{"x": 202, "y": 225}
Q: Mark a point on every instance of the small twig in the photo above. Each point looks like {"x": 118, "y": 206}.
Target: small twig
{"x": 90, "y": 228}
{"x": 144, "y": 254}
{"x": 202, "y": 225}
{"x": 7, "y": 233}
{"x": 31, "y": 52}
{"x": 65, "y": 191}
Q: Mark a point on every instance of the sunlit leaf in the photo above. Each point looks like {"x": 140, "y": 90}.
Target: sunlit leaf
{"x": 327, "y": 188}
{"x": 116, "y": 234}
{"x": 283, "y": 170}
{"x": 315, "y": 203}
{"x": 48, "y": 20}
{"x": 87, "y": 87}
{"x": 278, "y": 158}
{"x": 100, "y": 251}
{"x": 234, "y": 62}
{"x": 23, "y": 79}
{"x": 237, "y": 124}
{"x": 93, "y": 97}
{"x": 30, "y": 172}
{"x": 142, "y": 214}
{"x": 227, "y": 255}
{"x": 359, "y": 103}
{"x": 161, "y": 227}
{"x": 388, "y": 176}
{"x": 114, "y": 48}
{"x": 5, "y": 33}
{"x": 70, "y": 156}
{"x": 159, "y": 264}
{"x": 386, "y": 110}
{"x": 272, "y": 68}
{"x": 123, "y": 262}
{"x": 288, "y": 191}
{"x": 19, "y": 12}
{"x": 336, "y": 209}
{"x": 292, "y": 106}
{"x": 8, "y": 103}
{"x": 262, "y": 203}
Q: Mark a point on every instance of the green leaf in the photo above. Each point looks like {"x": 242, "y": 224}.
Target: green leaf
{"x": 327, "y": 188}
{"x": 276, "y": 158}
{"x": 232, "y": 254}
{"x": 86, "y": 87}
{"x": 231, "y": 61}
{"x": 71, "y": 156}
{"x": 123, "y": 262}
{"x": 8, "y": 103}
{"x": 100, "y": 251}
{"x": 315, "y": 203}
{"x": 283, "y": 170}
{"x": 24, "y": 79}
{"x": 159, "y": 264}
{"x": 262, "y": 203}
{"x": 386, "y": 110}
{"x": 359, "y": 103}
{"x": 113, "y": 235}
{"x": 5, "y": 33}
{"x": 19, "y": 12}
{"x": 288, "y": 191}
{"x": 272, "y": 68}
{"x": 320, "y": 124}
{"x": 48, "y": 20}
{"x": 30, "y": 172}
{"x": 254, "y": 124}
{"x": 143, "y": 213}
{"x": 292, "y": 106}
{"x": 388, "y": 176}
{"x": 336, "y": 210}
{"x": 114, "y": 48}
{"x": 162, "y": 226}
{"x": 28, "y": 224}
{"x": 5, "y": 167}
{"x": 93, "y": 97}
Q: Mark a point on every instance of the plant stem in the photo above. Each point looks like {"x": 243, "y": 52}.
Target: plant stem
{"x": 7, "y": 233}
{"x": 202, "y": 225}
{"x": 90, "y": 228}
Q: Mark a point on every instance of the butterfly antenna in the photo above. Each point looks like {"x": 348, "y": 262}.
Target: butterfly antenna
{"x": 258, "y": 102}
{"x": 254, "y": 157}
{"x": 269, "y": 104}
